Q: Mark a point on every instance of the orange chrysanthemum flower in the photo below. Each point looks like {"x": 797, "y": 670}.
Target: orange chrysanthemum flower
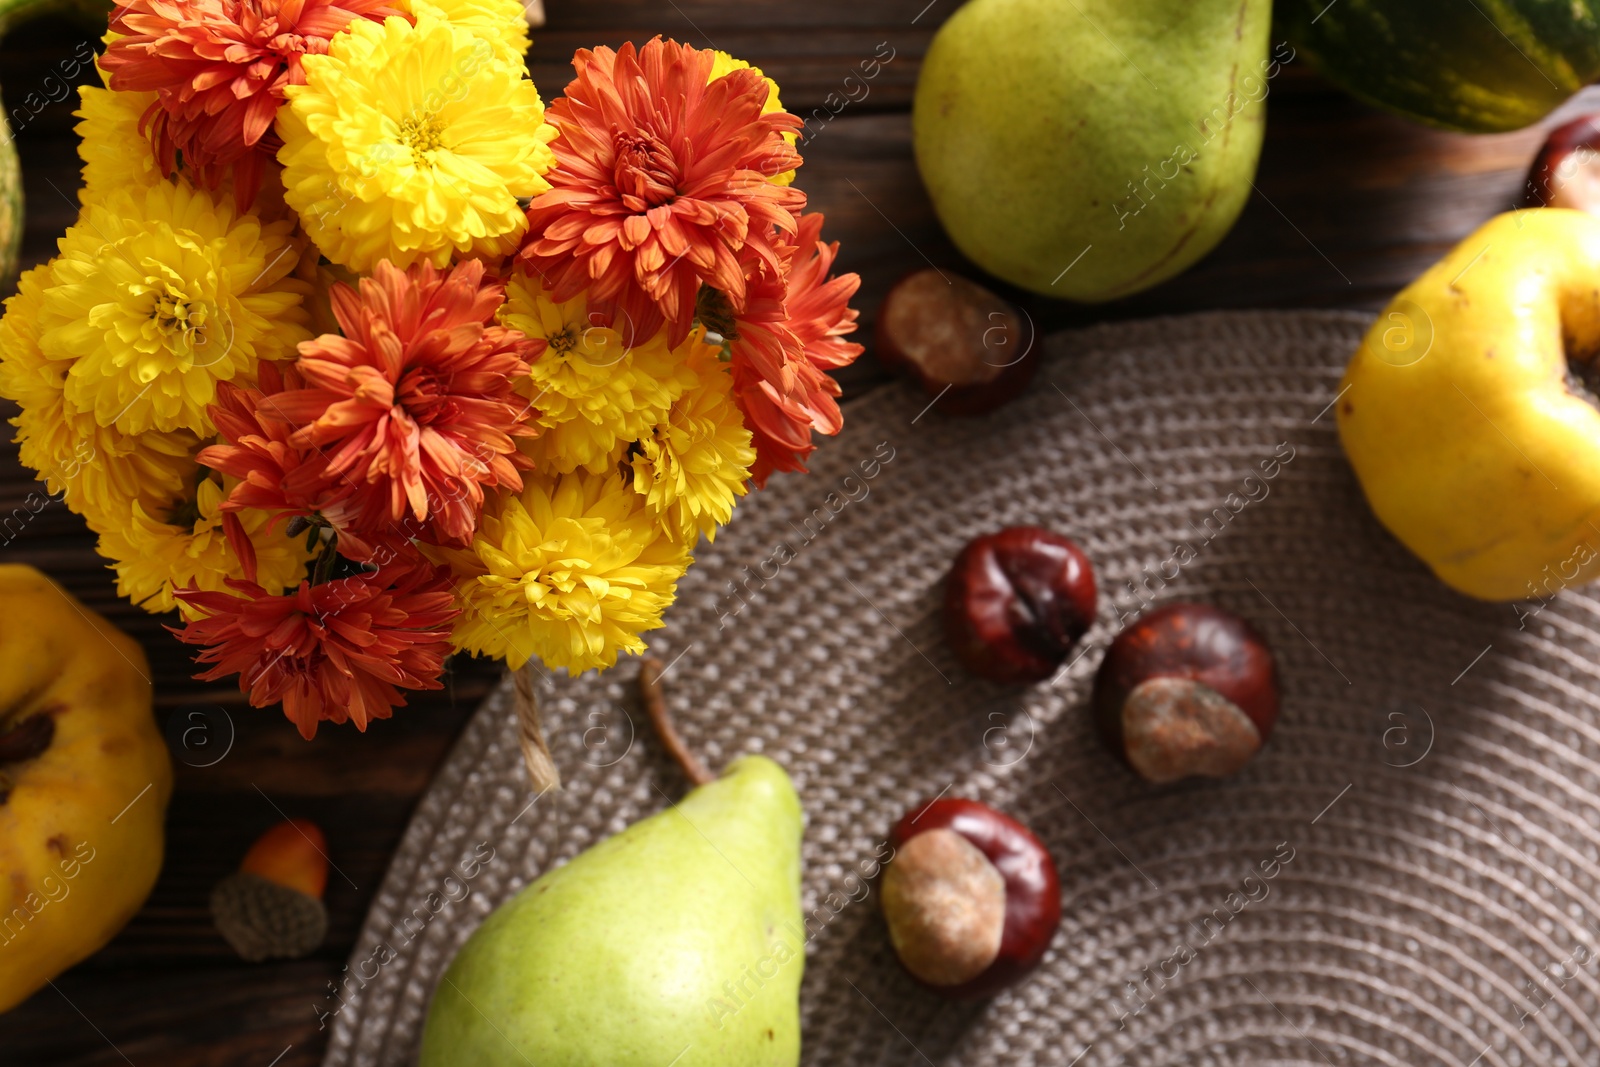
{"x": 790, "y": 335}
{"x": 219, "y": 69}
{"x": 413, "y": 408}
{"x": 270, "y": 472}
{"x": 334, "y": 651}
{"x": 661, "y": 183}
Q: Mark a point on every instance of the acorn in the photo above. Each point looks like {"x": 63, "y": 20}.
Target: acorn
{"x": 271, "y": 908}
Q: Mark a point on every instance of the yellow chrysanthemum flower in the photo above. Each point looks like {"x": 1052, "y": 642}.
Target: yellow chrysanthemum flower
{"x": 158, "y": 294}
{"x": 99, "y": 472}
{"x": 695, "y": 464}
{"x": 721, "y": 64}
{"x": 593, "y": 393}
{"x": 503, "y": 23}
{"x": 152, "y": 554}
{"x": 126, "y": 486}
{"x": 413, "y": 142}
{"x": 572, "y": 570}
{"x": 115, "y": 154}
{"x": 26, "y": 376}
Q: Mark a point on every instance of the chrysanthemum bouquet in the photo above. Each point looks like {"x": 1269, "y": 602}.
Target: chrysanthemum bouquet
{"x": 356, "y": 355}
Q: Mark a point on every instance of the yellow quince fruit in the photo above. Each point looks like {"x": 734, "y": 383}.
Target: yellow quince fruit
{"x": 84, "y": 782}
{"x": 1456, "y": 414}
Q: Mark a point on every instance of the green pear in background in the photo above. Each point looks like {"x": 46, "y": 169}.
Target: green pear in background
{"x": 677, "y": 942}
{"x": 1088, "y": 149}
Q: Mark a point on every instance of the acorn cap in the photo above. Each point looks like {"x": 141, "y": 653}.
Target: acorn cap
{"x": 263, "y": 920}
{"x": 293, "y": 853}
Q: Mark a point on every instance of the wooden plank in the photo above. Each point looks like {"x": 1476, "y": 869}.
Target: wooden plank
{"x": 208, "y": 1013}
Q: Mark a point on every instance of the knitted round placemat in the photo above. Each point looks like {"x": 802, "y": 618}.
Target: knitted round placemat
{"x": 1406, "y": 875}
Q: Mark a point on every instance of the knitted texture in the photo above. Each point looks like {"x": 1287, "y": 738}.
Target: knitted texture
{"x": 1406, "y": 875}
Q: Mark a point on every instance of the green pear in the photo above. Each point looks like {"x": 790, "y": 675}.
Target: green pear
{"x": 1089, "y": 149}
{"x": 678, "y": 941}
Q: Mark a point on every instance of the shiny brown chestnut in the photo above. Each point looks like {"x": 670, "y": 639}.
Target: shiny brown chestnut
{"x": 1187, "y": 689}
{"x": 968, "y": 347}
{"x": 972, "y": 898}
{"x": 1016, "y": 602}
{"x": 1566, "y": 172}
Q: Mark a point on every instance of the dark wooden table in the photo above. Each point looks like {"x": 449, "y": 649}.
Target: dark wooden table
{"x": 1351, "y": 205}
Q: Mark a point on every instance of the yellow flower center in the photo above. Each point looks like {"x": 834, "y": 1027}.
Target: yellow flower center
{"x": 180, "y": 316}
{"x": 563, "y": 341}
{"x": 200, "y": 509}
{"x": 424, "y": 135}
{"x": 184, "y": 513}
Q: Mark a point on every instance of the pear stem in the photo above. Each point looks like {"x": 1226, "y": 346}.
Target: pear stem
{"x": 655, "y": 705}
